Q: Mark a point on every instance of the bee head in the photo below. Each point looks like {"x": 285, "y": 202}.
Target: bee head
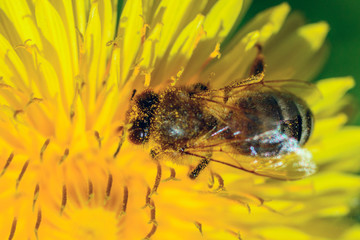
{"x": 145, "y": 105}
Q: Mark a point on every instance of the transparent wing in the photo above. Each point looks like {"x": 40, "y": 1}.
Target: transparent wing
{"x": 291, "y": 162}
{"x": 290, "y": 166}
{"x": 306, "y": 91}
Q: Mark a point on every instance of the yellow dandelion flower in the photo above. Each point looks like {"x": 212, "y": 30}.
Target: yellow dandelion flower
{"x": 67, "y": 167}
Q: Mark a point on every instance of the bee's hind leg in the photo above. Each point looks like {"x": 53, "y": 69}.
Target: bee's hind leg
{"x": 256, "y": 76}
{"x": 201, "y": 166}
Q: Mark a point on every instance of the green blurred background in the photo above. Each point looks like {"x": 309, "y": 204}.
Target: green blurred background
{"x": 344, "y": 36}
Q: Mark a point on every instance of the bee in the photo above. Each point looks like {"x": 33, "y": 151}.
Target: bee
{"x": 252, "y": 125}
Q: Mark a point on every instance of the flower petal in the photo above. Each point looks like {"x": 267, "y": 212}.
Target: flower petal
{"x": 307, "y": 40}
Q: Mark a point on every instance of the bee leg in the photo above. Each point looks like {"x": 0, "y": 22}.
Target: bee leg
{"x": 258, "y": 67}
{"x": 196, "y": 171}
{"x": 257, "y": 74}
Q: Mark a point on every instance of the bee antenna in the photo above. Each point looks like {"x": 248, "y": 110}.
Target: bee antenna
{"x": 133, "y": 95}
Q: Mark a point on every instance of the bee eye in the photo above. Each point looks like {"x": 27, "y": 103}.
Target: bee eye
{"x": 140, "y": 131}
{"x": 139, "y": 135}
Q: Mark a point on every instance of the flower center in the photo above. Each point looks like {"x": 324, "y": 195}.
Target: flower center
{"x": 94, "y": 223}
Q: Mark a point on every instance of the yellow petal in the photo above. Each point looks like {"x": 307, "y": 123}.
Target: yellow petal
{"x": 332, "y": 90}
{"x": 221, "y": 18}
{"x": 352, "y": 234}
{"x": 81, "y": 9}
{"x": 337, "y": 145}
{"x": 129, "y": 34}
{"x": 230, "y": 67}
{"x": 52, "y": 27}
{"x": 23, "y": 21}
{"x": 268, "y": 23}
{"x": 99, "y": 32}
{"x": 175, "y": 15}
{"x": 295, "y": 51}
{"x": 14, "y": 72}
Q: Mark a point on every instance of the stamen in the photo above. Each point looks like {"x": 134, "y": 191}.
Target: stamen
{"x": 272, "y": 210}
{"x": 254, "y": 197}
{"x": 36, "y": 195}
{"x": 120, "y": 129}
{"x": 97, "y": 135}
{"x": 43, "y": 148}
{"x": 125, "y": 200}
{"x": 37, "y": 224}
{"x": 26, "y": 164}
{"x": 221, "y": 182}
{"x": 157, "y": 179}
{"x": 108, "y": 188}
{"x": 214, "y": 54}
{"x": 153, "y": 221}
{"x": 211, "y": 181}
{"x": 91, "y": 190}
{"x": 237, "y": 234}
{"x": 152, "y": 213}
{"x": 13, "y": 228}
{"x": 33, "y": 100}
{"x": 7, "y": 164}
{"x": 66, "y": 154}
{"x": 152, "y": 232}
{"x": 199, "y": 226}
{"x": 172, "y": 176}
{"x": 16, "y": 112}
{"x": 147, "y": 198}
{"x": 63, "y": 199}
{"x": 72, "y": 113}
{"x": 143, "y": 32}
{"x": 246, "y": 205}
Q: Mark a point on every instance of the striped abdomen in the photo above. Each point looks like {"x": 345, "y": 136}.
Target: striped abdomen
{"x": 270, "y": 123}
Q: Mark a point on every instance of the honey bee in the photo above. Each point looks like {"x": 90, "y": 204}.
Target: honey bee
{"x": 257, "y": 126}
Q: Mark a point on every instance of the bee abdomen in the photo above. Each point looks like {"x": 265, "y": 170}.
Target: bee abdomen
{"x": 271, "y": 123}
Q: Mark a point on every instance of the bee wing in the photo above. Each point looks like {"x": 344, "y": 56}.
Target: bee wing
{"x": 295, "y": 163}
{"x": 304, "y": 90}
{"x": 279, "y": 156}
{"x": 292, "y": 166}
